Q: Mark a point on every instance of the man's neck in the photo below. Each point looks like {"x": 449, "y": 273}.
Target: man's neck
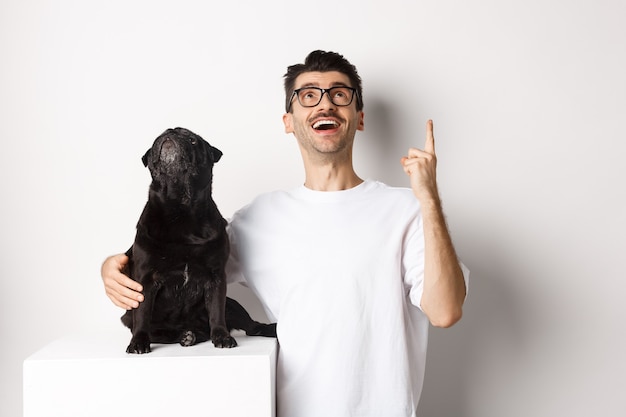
{"x": 331, "y": 178}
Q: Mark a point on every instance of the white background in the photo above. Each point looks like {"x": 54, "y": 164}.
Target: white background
{"x": 529, "y": 103}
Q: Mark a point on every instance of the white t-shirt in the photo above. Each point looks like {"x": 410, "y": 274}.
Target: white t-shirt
{"x": 342, "y": 275}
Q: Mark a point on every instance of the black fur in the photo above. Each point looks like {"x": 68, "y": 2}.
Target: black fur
{"x": 180, "y": 253}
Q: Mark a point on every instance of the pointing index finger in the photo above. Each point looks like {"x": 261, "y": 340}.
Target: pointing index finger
{"x": 429, "y": 146}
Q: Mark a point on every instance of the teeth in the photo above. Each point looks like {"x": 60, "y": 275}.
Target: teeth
{"x": 321, "y": 123}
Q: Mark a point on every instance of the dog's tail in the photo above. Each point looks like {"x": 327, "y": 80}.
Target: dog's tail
{"x": 238, "y": 318}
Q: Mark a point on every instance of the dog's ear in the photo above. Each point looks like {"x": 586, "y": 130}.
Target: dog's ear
{"x": 215, "y": 153}
{"x": 145, "y": 157}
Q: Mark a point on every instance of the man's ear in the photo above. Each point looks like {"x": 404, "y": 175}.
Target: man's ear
{"x": 361, "y": 125}
{"x": 288, "y": 122}
{"x": 145, "y": 157}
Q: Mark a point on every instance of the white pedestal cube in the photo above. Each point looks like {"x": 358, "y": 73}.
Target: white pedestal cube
{"x": 93, "y": 376}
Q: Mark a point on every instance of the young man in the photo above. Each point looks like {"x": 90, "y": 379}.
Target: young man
{"x": 353, "y": 271}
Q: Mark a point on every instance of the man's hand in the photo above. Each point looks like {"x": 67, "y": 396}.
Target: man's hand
{"x": 123, "y": 291}
{"x": 421, "y": 167}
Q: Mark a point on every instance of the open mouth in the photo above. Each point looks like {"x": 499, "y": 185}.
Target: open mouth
{"x": 325, "y": 124}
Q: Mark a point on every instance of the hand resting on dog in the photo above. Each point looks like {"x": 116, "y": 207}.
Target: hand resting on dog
{"x": 123, "y": 291}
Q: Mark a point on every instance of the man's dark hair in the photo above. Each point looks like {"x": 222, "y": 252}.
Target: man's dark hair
{"x": 322, "y": 61}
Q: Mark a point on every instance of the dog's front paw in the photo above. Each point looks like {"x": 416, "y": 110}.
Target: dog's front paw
{"x": 222, "y": 339}
{"x": 188, "y": 338}
{"x": 140, "y": 343}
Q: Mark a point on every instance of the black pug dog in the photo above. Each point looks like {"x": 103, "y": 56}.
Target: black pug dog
{"x": 180, "y": 253}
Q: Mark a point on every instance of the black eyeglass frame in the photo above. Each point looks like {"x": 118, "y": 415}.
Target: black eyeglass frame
{"x": 324, "y": 91}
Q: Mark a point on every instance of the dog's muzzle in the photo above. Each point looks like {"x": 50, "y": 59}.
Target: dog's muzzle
{"x": 169, "y": 152}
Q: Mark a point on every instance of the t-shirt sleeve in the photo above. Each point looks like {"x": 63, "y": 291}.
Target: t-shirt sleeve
{"x": 413, "y": 260}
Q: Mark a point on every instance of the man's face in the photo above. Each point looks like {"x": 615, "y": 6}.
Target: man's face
{"x": 326, "y": 128}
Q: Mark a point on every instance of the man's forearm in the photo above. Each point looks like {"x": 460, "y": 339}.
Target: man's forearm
{"x": 444, "y": 285}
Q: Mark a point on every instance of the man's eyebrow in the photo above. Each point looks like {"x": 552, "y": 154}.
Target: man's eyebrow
{"x": 316, "y": 84}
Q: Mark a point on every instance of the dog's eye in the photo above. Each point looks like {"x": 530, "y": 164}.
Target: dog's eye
{"x": 193, "y": 141}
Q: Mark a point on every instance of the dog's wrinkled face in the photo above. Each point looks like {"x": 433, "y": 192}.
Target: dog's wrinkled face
{"x": 181, "y": 161}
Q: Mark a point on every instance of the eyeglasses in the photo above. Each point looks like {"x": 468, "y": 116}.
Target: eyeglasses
{"x": 312, "y": 96}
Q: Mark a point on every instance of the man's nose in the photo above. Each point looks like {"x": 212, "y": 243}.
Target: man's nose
{"x": 326, "y": 101}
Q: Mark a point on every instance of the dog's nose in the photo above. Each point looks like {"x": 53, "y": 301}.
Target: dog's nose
{"x": 167, "y": 144}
